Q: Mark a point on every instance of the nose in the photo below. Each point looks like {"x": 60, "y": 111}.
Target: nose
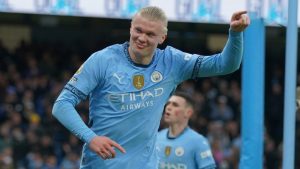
{"x": 168, "y": 107}
{"x": 142, "y": 37}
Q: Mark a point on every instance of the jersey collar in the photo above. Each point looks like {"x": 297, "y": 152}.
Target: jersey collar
{"x": 183, "y": 131}
{"x": 126, "y": 52}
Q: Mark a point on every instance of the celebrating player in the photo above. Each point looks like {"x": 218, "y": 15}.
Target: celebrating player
{"x": 128, "y": 85}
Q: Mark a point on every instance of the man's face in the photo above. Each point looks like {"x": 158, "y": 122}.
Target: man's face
{"x": 145, "y": 35}
{"x": 176, "y": 110}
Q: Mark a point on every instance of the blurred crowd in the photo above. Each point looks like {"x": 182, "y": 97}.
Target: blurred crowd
{"x": 32, "y": 76}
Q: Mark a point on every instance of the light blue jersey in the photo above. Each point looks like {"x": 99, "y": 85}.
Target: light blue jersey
{"x": 127, "y": 100}
{"x": 189, "y": 150}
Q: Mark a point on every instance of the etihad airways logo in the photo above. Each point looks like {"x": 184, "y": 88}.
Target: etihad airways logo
{"x": 135, "y": 96}
{"x": 135, "y": 100}
{"x": 166, "y": 165}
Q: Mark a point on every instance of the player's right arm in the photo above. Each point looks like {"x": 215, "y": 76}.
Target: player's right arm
{"x": 77, "y": 89}
{"x": 64, "y": 110}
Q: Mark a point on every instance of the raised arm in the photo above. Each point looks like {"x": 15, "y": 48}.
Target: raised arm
{"x": 230, "y": 58}
{"x": 239, "y": 21}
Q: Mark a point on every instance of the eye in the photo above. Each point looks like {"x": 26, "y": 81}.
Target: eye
{"x": 138, "y": 30}
{"x": 173, "y": 104}
{"x": 150, "y": 34}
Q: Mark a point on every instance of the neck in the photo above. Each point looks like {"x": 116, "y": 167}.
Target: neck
{"x": 139, "y": 59}
{"x": 176, "y": 129}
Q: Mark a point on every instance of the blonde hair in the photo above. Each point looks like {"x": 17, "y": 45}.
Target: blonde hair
{"x": 154, "y": 13}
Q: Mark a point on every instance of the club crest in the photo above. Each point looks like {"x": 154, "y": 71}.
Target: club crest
{"x": 156, "y": 76}
{"x": 138, "y": 81}
{"x": 179, "y": 151}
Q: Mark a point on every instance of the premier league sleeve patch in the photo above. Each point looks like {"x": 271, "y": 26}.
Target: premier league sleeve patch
{"x": 205, "y": 154}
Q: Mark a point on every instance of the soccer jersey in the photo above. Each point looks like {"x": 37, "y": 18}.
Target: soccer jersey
{"x": 189, "y": 150}
{"x": 127, "y": 99}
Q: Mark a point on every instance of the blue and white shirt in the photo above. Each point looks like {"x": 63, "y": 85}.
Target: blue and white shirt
{"x": 127, "y": 99}
{"x": 189, "y": 150}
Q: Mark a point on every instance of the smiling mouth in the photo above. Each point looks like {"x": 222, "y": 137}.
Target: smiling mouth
{"x": 140, "y": 46}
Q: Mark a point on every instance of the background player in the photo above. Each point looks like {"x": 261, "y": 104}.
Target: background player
{"x": 179, "y": 146}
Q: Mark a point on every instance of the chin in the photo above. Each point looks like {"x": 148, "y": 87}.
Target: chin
{"x": 166, "y": 120}
{"x": 141, "y": 53}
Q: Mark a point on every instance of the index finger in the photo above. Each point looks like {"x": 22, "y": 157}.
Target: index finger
{"x": 239, "y": 13}
{"x": 118, "y": 146}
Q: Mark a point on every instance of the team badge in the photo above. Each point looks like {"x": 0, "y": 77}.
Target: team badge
{"x": 167, "y": 151}
{"x": 179, "y": 151}
{"x": 156, "y": 76}
{"x": 138, "y": 81}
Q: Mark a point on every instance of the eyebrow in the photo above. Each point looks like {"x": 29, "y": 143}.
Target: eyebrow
{"x": 172, "y": 102}
{"x": 147, "y": 32}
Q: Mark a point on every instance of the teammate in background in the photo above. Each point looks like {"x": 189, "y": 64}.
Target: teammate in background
{"x": 180, "y": 146}
{"x": 128, "y": 85}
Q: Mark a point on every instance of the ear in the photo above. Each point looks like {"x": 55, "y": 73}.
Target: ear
{"x": 189, "y": 112}
{"x": 130, "y": 28}
{"x": 163, "y": 38}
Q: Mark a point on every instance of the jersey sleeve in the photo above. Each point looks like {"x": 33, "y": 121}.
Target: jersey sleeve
{"x": 188, "y": 66}
{"x": 226, "y": 62}
{"x": 203, "y": 155}
{"x": 182, "y": 64}
{"x": 64, "y": 111}
{"x": 88, "y": 76}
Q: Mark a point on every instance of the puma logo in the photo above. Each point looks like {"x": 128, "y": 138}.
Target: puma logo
{"x": 119, "y": 77}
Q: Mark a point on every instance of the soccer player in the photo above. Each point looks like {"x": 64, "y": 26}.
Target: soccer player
{"x": 127, "y": 86}
{"x": 179, "y": 146}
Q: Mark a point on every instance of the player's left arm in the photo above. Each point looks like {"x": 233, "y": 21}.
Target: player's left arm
{"x": 203, "y": 155}
{"x": 230, "y": 58}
